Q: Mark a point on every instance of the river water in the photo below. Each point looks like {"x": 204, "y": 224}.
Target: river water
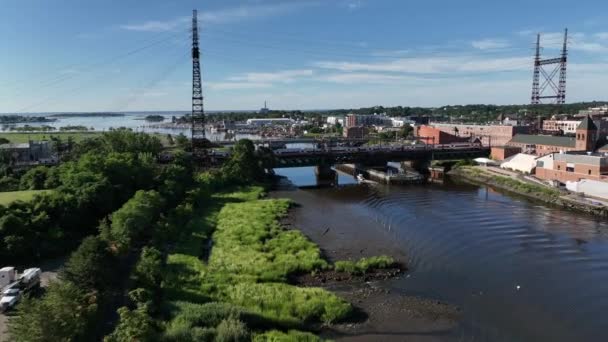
{"x": 520, "y": 271}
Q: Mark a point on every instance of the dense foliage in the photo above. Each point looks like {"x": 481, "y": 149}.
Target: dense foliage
{"x": 104, "y": 173}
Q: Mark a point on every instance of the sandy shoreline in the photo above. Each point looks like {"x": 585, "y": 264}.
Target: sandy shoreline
{"x": 386, "y": 315}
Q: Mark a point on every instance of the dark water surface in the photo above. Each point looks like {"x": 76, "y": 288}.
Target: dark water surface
{"x": 473, "y": 247}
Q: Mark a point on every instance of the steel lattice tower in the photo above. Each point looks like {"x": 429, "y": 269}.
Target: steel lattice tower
{"x": 557, "y": 91}
{"x": 199, "y": 142}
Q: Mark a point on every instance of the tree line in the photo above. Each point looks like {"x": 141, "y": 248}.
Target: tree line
{"x": 126, "y": 213}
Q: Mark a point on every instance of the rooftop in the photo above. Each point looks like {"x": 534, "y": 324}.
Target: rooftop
{"x": 587, "y": 124}
{"x": 550, "y": 140}
{"x": 12, "y": 146}
{"x": 593, "y": 159}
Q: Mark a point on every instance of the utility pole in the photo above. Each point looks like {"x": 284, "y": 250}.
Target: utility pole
{"x": 199, "y": 141}
{"x": 555, "y": 91}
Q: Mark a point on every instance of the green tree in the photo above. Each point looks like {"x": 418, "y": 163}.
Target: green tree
{"x": 34, "y": 179}
{"x": 182, "y": 141}
{"x": 134, "y": 219}
{"x": 90, "y": 266}
{"x": 134, "y": 325}
{"x": 63, "y": 314}
{"x": 243, "y": 166}
{"x": 148, "y": 271}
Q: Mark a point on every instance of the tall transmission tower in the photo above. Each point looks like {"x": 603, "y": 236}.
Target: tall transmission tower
{"x": 199, "y": 141}
{"x": 549, "y": 89}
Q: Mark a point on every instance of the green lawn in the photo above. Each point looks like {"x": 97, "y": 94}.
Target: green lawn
{"x": 15, "y": 137}
{"x": 25, "y": 137}
{"x": 11, "y": 196}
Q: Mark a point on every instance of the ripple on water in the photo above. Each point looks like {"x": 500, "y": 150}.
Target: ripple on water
{"x": 465, "y": 241}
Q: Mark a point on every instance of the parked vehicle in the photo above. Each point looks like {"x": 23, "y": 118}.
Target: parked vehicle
{"x": 14, "y": 285}
{"x": 10, "y": 298}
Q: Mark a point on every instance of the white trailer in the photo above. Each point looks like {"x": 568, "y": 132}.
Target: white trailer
{"x": 14, "y": 285}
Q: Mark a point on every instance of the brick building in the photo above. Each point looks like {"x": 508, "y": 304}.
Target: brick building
{"x": 503, "y": 152}
{"x": 585, "y": 139}
{"x": 368, "y": 120}
{"x": 564, "y": 167}
{"x": 490, "y": 135}
{"x": 432, "y": 135}
{"x": 355, "y": 132}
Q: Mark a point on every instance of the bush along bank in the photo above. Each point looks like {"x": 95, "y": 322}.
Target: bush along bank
{"x": 534, "y": 191}
{"x": 243, "y": 288}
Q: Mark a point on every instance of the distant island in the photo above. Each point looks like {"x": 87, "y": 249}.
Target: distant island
{"x": 12, "y": 119}
{"x": 155, "y": 118}
{"x": 75, "y": 115}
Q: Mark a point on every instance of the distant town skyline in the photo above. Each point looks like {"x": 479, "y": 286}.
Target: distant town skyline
{"x": 301, "y": 54}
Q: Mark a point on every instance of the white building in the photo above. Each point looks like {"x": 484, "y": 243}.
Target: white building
{"x": 400, "y": 122}
{"x": 334, "y": 120}
{"x": 270, "y": 121}
{"x": 566, "y": 126}
{"x": 524, "y": 163}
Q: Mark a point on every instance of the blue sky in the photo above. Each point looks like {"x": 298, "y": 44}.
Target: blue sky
{"x": 74, "y": 55}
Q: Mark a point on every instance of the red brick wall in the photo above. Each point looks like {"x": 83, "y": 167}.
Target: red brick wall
{"x": 504, "y": 152}
{"x": 432, "y": 135}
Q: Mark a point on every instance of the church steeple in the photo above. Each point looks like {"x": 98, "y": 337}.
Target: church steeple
{"x": 586, "y": 134}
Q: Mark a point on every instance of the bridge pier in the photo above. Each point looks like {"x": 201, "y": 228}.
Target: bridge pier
{"x": 326, "y": 176}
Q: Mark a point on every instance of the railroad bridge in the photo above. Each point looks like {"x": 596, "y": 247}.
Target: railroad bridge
{"x": 376, "y": 155}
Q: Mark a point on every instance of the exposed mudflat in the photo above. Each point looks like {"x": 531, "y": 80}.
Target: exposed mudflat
{"x": 383, "y": 314}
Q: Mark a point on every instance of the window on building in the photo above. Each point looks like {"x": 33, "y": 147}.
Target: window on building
{"x": 569, "y": 169}
{"x": 589, "y": 172}
{"x": 559, "y": 167}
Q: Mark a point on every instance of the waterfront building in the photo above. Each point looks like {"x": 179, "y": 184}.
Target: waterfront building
{"x": 270, "y": 121}
{"x": 594, "y": 112}
{"x": 355, "y": 132}
{"x": 334, "y": 120}
{"x": 490, "y": 135}
{"x": 368, "y": 120}
{"x": 432, "y": 135}
{"x": 524, "y": 163}
{"x": 572, "y": 167}
{"x": 503, "y": 152}
{"x": 585, "y": 139}
{"x": 564, "y": 126}
{"x": 29, "y": 152}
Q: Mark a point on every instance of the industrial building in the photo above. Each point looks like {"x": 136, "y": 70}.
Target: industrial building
{"x": 585, "y": 139}
{"x": 270, "y": 121}
{"x": 490, "y": 135}
{"x": 571, "y": 167}
{"x": 29, "y": 152}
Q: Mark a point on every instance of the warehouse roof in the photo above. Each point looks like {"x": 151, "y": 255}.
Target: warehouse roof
{"x": 587, "y": 124}
{"x": 550, "y": 140}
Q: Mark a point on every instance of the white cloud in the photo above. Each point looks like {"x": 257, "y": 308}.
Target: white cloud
{"x": 601, "y": 35}
{"x": 365, "y": 78}
{"x": 236, "y": 85}
{"x": 434, "y": 65}
{"x": 354, "y": 4}
{"x": 157, "y": 26}
{"x": 284, "y": 76}
{"x": 489, "y": 44}
{"x": 218, "y": 16}
{"x": 256, "y": 80}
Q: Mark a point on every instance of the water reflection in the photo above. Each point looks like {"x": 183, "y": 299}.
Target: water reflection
{"x": 520, "y": 270}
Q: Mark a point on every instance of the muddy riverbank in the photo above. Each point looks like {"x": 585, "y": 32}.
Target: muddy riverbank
{"x": 480, "y": 176}
{"x": 384, "y": 314}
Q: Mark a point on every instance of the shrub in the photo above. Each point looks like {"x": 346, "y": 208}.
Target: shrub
{"x": 90, "y": 266}
{"x": 286, "y": 303}
{"x": 365, "y": 264}
{"x": 232, "y": 330}
{"x": 63, "y": 314}
{"x": 134, "y": 325}
{"x": 290, "y": 336}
